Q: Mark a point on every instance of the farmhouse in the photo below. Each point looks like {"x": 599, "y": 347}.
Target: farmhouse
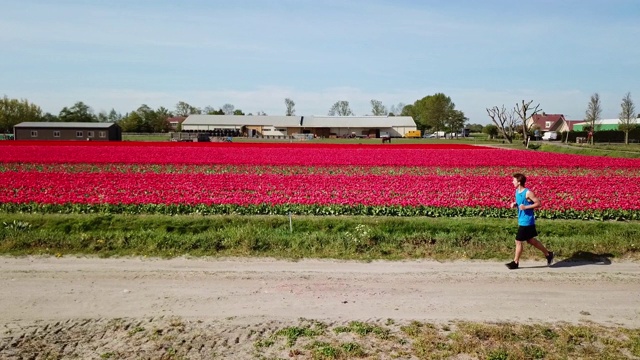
{"x": 551, "y": 122}
{"x": 318, "y": 126}
{"x": 67, "y": 131}
{"x": 175, "y": 121}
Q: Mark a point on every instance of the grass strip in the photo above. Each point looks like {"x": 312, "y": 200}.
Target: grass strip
{"x": 336, "y": 237}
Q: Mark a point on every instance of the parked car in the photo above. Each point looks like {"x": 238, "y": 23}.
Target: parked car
{"x": 550, "y": 135}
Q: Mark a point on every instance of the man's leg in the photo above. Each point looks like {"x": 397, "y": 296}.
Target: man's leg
{"x": 547, "y": 254}
{"x": 516, "y": 257}
{"x": 538, "y": 245}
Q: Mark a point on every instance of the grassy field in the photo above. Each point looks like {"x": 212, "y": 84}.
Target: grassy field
{"x": 468, "y": 340}
{"x": 354, "y": 238}
{"x": 617, "y": 151}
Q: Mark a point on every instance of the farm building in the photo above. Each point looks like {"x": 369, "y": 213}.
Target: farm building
{"x": 243, "y": 125}
{"x": 67, "y": 131}
{"x": 175, "y": 122}
{"x": 551, "y": 122}
{"x": 320, "y": 126}
{"x": 605, "y": 124}
{"x": 360, "y": 126}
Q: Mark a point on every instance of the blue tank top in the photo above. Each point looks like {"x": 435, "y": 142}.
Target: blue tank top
{"x": 525, "y": 217}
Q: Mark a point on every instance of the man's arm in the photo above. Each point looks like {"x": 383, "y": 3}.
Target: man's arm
{"x": 532, "y": 197}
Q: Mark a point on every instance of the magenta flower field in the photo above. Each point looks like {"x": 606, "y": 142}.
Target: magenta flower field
{"x": 315, "y": 179}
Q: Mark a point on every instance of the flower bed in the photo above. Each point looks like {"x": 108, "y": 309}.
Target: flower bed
{"x": 407, "y": 180}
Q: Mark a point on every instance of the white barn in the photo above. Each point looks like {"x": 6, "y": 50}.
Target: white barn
{"x": 360, "y": 126}
{"x": 320, "y": 126}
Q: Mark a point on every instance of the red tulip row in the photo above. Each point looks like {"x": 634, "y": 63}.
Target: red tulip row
{"x": 381, "y": 178}
{"x": 448, "y": 156}
{"x": 317, "y": 170}
{"x": 558, "y": 193}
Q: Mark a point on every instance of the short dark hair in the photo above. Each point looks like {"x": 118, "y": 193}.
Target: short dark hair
{"x": 521, "y": 178}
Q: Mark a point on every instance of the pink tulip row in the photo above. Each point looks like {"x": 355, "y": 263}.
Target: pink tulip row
{"x": 317, "y": 170}
{"x": 557, "y": 192}
{"x": 302, "y": 155}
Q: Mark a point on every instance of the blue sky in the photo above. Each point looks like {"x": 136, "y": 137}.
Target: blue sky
{"x": 253, "y": 54}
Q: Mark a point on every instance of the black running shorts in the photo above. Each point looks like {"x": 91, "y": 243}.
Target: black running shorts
{"x": 526, "y": 233}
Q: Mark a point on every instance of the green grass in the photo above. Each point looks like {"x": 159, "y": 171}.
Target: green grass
{"x": 338, "y": 237}
{"x": 465, "y": 340}
{"x": 615, "y": 151}
{"x": 146, "y": 137}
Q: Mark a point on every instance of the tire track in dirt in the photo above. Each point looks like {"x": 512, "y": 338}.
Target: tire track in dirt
{"x": 208, "y": 308}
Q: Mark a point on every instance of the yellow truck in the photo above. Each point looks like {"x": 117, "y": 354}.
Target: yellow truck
{"x": 413, "y": 134}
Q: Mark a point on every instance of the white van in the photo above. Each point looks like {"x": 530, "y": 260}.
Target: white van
{"x": 550, "y": 135}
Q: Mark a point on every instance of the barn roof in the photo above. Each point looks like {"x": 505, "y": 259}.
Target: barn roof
{"x": 70, "y": 125}
{"x": 600, "y": 122}
{"x": 243, "y": 120}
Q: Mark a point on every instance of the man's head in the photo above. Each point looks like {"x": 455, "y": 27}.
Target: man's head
{"x": 519, "y": 179}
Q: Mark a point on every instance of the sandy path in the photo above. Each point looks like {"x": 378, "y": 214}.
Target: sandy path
{"x": 250, "y": 291}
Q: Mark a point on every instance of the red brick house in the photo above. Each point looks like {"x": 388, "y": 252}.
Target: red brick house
{"x": 175, "y": 121}
{"x": 551, "y": 122}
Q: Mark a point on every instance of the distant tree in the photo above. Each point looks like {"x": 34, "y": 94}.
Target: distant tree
{"x": 14, "y": 111}
{"x": 455, "y": 121}
{"x": 475, "y": 128}
{"x": 159, "y": 120}
{"x": 522, "y": 110}
{"x": 396, "y": 109}
{"x": 431, "y": 112}
{"x": 340, "y": 108}
{"x": 102, "y": 117}
{"x": 237, "y": 112}
{"x": 48, "y": 117}
{"x": 261, "y": 113}
{"x": 291, "y": 107}
{"x": 146, "y": 120}
{"x": 110, "y": 117}
{"x": 505, "y": 122}
{"x": 183, "y": 109}
{"x": 490, "y": 130}
{"x": 228, "y": 109}
{"x": 132, "y": 123}
{"x": 592, "y": 115}
{"x": 114, "y": 116}
{"x": 209, "y": 110}
{"x": 628, "y": 119}
{"x": 377, "y": 109}
{"x": 79, "y": 112}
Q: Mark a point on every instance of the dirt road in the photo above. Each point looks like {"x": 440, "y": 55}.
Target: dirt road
{"x": 251, "y": 293}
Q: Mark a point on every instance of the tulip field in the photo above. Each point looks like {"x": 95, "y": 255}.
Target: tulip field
{"x": 310, "y": 179}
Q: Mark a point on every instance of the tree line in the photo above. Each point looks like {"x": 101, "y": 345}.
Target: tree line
{"x": 432, "y": 113}
{"x": 509, "y": 122}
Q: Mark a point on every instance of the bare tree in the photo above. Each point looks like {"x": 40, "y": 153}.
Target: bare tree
{"x": 521, "y": 110}
{"x": 396, "y": 110}
{"x": 505, "y": 120}
{"x": 592, "y": 116}
{"x": 377, "y": 109}
{"x": 228, "y": 109}
{"x": 340, "y": 108}
{"x": 290, "y": 107}
{"x": 184, "y": 109}
{"x": 627, "y": 117}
